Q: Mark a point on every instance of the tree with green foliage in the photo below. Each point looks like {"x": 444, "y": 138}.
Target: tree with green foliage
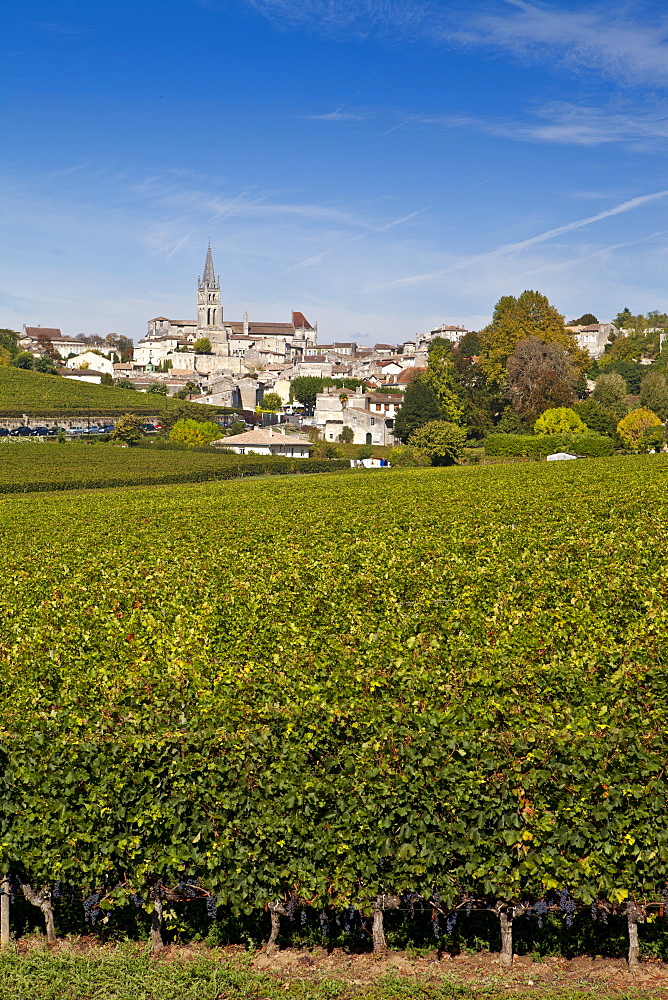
{"x": 271, "y": 401}
{"x": 124, "y": 383}
{"x": 419, "y": 407}
{"x": 304, "y": 389}
{"x": 641, "y": 430}
{"x": 158, "y": 388}
{"x": 347, "y": 435}
{"x": 25, "y": 360}
{"x": 540, "y": 376}
{"x": 611, "y": 392}
{"x": 187, "y": 391}
{"x": 517, "y": 319}
{"x": 588, "y": 319}
{"x": 654, "y": 393}
{"x": 512, "y": 423}
{"x": 9, "y": 341}
{"x": 441, "y": 377}
{"x": 596, "y": 417}
{"x": 470, "y": 345}
{"x": 481, "y": 401}
{"x": 238, "y": 427}
{"x": 45, "y": 365}
{"x": 442, "y": 440}
{"x": 128, "y": 430}
{"x": 559, "y": 420}
{"x": 202, "y": 346}
{"x": 195, "y": 432}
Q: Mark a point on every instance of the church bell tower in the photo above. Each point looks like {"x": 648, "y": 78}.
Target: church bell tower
{"x": 209, "y": 306}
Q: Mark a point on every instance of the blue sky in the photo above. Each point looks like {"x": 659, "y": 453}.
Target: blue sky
{"x": 383, "y": 166}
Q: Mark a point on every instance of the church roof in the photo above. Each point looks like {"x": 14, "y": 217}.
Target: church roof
{"x": 300, "y": 321}
{"x": 209, "y": 277}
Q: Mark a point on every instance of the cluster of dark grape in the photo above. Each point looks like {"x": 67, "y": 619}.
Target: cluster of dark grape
{"x": 348, "y": 917}
{"x": 291, "y": 905}
{"x": 409, "y": 899}
{"x": 55, "y": 891}
{"x": 304, "y": 918}
{"x": 540, "y": 909}
{"x": 137, "y": 900}
{"x": 211, "y": 906}
{"x": 451, "y": 921}
{"x": 664, "y": 896}
{"x": 91, "y": 905}
{"x": 187, "y": 887}
{"x": 566, "y": 905}
{"x": 594, "y": 910}
{"x": 435, "y": 924}
{"x": 324, "y": 924}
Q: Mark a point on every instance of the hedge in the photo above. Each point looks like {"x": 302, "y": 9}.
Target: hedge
{"x": 539, "y": 445}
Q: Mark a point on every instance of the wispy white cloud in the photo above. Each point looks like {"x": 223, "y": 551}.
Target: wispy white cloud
{"x": 560, "y": 122}
{"x": 607, "y": 39}
{"x": 508, "y": 249}
{"x": 600, "y": 37}
{"x": 337, "y": 116}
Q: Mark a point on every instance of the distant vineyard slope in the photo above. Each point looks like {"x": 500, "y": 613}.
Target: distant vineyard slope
{"x": 30, "y": 393}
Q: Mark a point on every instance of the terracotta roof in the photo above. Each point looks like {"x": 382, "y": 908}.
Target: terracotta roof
{"x": 263, "y": 436}
{"x": 72, "y": 372}
{"x": 407, "y": 375}
{"x": 300, "y": 320}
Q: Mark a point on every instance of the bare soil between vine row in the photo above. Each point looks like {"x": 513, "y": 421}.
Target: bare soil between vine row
{"x": 582, "y": 977}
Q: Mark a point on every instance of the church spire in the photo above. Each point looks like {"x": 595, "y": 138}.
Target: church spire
{"x": 209, "y": 277}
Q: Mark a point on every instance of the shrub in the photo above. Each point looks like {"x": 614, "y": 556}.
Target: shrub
{"x": 195, "y": 432}
{"x": 641, "y": 430}
{"x": 596, "y": 417}
{"x": 405, "y": 457}
{"x": 441, "y": 440}
{"x": 559, "y": 420}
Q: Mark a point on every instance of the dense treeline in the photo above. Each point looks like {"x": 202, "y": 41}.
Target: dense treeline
{"x": 296, "y": 696}
{"x": 526, "y": 365}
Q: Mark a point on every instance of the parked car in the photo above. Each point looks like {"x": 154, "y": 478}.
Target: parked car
{"x": 4, "y": 432}
{"x": 149, "y": 428}
{"x": 21, "y": 432}
{"x": 39, "y": 431}
{"x": 76, "y": 430}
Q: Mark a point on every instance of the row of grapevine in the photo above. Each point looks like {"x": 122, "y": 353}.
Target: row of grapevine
{"x": 445, "y": 689}
{"x": 40, "y": 468}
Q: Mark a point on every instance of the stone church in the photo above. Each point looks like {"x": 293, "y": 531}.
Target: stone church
{"x": 250, "y": 341}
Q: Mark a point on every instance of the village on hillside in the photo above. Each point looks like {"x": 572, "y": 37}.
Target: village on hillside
{"x": 240, "y": 364}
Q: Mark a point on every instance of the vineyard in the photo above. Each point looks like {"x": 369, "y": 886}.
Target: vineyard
{"x": 38, "y": 468}
{"x": 435, "y": 692}
{"x": 30, "y": 393}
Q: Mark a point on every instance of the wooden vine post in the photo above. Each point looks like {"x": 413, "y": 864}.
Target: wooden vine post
{"x": 506, "y": 917}
{"x": 381, "y": 904}
{"x": 634, "y": 916}
{"x": 157, "y": 939}
{"x": 4, "y": 913}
